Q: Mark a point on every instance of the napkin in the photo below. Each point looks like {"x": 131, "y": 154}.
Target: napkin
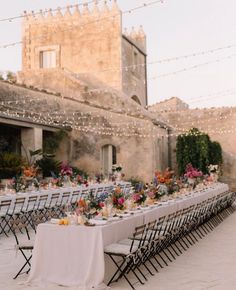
{"x": 54, "y": 221}
{"x": 98, "y": 222}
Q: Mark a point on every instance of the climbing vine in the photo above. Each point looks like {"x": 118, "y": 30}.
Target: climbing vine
{"x": 195, "y": 147}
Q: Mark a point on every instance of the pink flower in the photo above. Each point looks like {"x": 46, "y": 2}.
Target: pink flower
{"x": 121, "y": 200}
{"x": 136, "y": 197}
{"x": 66, "y": 169}
{"x": 151, "y": 194}
{"x": 101, "y": 204}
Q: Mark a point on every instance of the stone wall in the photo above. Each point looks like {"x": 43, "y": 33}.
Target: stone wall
{"x": 219, "y": 123}
{"x": 134, "y": 63}
{"x": 140, "y": 155}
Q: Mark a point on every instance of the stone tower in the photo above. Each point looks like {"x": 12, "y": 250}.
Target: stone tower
{"x": 88, "y": 42}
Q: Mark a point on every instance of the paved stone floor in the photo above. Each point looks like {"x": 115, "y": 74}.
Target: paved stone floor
{"x": 209, "y": 264}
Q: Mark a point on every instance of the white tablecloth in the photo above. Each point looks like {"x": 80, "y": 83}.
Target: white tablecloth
{"x": 61, "y": 190}
{"x": 73, "y": 255}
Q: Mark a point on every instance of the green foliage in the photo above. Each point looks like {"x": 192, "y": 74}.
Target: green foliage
{"x": 135, "y": 181}
{"x": 11, "y": 77}
{"x": 77, "y": 171}
{"x": 216, "y": 153}
{"x": 196, "y": 148}
{"x": 48, "y": 165}
{"x": 51, "y": 143}
{"x": 10, "y": 164}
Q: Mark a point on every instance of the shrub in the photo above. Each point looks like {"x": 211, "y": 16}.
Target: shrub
{"x": 196, "y": 148}
{"x": 10, "y": 164}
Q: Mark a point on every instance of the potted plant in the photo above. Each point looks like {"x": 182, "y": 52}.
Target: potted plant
{"x": 10, "y": 165}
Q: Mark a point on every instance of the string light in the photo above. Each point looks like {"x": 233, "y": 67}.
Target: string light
{"x": 164, "y": 106}
{"x": 10, "y": 19}
{"x": 131, "y": 130}
{"x": 90, "y": 22}
{"x": 192, "y": 67}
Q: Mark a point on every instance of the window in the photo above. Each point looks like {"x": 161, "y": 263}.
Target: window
{"x": 47, "y": 59}
{"x": 136, "y": 99}
{"x": 108, "y": 159}
{"x": 135, "y": 62}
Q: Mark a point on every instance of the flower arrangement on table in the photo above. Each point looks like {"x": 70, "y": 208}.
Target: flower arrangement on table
{"x": 192, "y": 172}
{"x": 118, "y": 198}
{"x": 165, "y": 182}
{"x": 193, "y": 175}
{"x": 214, "y": 172}
{"x": 139, "y": 197}
{"x": 30, "y": 171}
{"x": 18, "y": 184}
{"x": 97, "y": 202}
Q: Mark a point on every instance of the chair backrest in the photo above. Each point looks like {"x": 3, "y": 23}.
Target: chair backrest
{"x": 93, "y": 191}
{"x": 100, "y": 190}
{"x": 65, "y": 199}
{"x": 19, "y": 227}
{"x": 150, "y": 230}
{"x": 54, "y": 198}
{"x": 75, "y": 196}
{"x": 18, "y": 205}
{"x": 160, "y": 224}
{"x": 140, "y": 233}
{"x": 5, "y": 206}
{"x": 31, "y": 203}
{"x": 42, "y": 201}
{"x": 84, "y": 192}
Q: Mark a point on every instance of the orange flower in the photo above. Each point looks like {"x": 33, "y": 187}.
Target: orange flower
{"x": 29, "y": 171}
{"x": 162, "y": 180}
{"x": 118, "y": 190}
{"x": 82, "y": 203}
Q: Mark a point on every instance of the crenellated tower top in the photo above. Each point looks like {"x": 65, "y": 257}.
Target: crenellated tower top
{"x": 137, "y": 36}
{"x": 85, "y": 40}
{"x": 73, "y": 12}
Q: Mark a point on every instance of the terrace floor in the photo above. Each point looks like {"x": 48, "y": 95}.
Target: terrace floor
{"x": 209, "y": 264}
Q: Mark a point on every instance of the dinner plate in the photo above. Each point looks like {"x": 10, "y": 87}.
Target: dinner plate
{"x": 54, "y": 221}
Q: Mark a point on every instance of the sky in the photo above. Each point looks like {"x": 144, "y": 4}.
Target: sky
{"x": 174, "y": 28}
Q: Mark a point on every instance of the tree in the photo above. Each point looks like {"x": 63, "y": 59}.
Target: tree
{"x": 195, "y": 147}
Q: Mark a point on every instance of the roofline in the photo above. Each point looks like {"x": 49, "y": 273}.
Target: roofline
{"x": 134, "y": 44}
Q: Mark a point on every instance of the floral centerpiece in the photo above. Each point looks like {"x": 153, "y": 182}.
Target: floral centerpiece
{"x": 18, "y": 183}
{"x": 118, "y": 198}
{"x": 139, "y": 197}
{"x": 192, "y": 174}
{"x": 66, "y": 173}
{"x": 117, "y": 171}
{"x": 97, "y": 202}
{"x": 214, "y": 172}
{"x": 30, "y": 171}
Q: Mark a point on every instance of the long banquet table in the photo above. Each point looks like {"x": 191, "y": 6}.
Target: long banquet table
{"x": 73, "y": 255}
{"x": 104, "y": 186}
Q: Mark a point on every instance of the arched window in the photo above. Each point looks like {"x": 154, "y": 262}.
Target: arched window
{"x": 108, "y": 158}
{"x": 136, "y": 99}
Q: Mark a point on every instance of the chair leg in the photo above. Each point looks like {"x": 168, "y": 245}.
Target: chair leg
{"x": 22, "y": 268}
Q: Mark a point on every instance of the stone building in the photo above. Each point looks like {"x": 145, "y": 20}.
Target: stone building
{"x": 219, "y": 123}
{"x": 87, "y": 43}
{"x": 80, "y": 72}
